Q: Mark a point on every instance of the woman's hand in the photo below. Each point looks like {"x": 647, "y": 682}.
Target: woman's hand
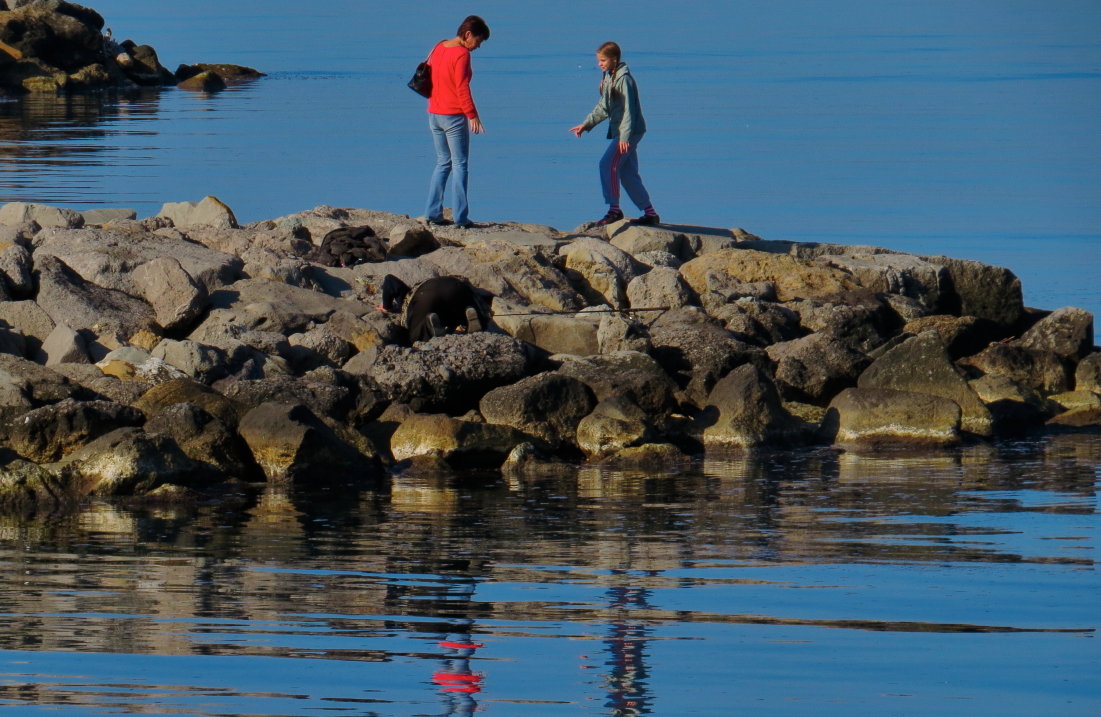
{"x": 476, "y": 126}
{"x": 577, "y": 130}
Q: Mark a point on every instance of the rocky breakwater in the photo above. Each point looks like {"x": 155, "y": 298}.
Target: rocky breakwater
{"x": 179, "y": 353}
{"x": 57, "y": 46}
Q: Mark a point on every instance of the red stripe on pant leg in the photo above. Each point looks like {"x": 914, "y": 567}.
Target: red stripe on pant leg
{"x": 615, "y": 175}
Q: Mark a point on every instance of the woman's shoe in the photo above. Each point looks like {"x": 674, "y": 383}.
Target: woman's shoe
{"x": 610, "y": 218}
{"x": 440, "y": 221}
{"x": 647, "y": 220}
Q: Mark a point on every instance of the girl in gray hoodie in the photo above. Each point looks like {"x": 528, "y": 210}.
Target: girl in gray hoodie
{"x": 619, "y": 104}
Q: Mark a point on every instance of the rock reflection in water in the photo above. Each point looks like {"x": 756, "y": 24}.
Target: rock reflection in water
{"x": 549, "y": 593}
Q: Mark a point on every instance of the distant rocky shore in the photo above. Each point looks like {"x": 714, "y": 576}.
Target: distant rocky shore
{"x": 56, "y": 46}
{"x": 172, "y": 355}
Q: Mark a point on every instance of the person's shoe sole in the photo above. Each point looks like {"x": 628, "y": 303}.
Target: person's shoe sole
{"x": 435, "y": 327}
{"x": 473, "y": 323}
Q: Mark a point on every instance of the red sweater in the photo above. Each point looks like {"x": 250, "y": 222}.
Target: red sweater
{"x": 451, "y": 75}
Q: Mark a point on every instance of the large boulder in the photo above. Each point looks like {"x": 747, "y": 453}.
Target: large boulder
{"x": 110, "y": 257}
{"x": 522, "y": 275}
{"x": 46, "y": 434}
{"x": 207, "y": 212}
{"x": 624, "y": 373}
{"x": 793, "y": 278}
{"x": 177, "y": 299}
{"x": 68, "y": 299}
{"x": 744, "y": 411}
{"x": 896, "y": 273}
{"x": 129, "y": 462}
{"x": 1066, "y": 332}
{"x": 600, "y": 271}
{"x": 1087, "y": 376}
{"x": 449, "y": 373}
{"x": 205, "y": 439}
{"x": 17, "y": 213}
{"x": 977, "y": 289}
{"x": 292, "y": 445}
{"x": 696, "y": 352}
{"x": 814, "y": 368}
{"x": 922, "y": 365}
{"x": 660, "y": 287}
{"x": 886, "y": 418}
{"x": 459, "y": 442}
{"x": 186, "y": 390}
{"x": 614, "y": 424}
{"x": 25, "y": 385}
{"x": 547, "y": 406}
{"x": 553, "y": 333}
{"x": 1041, "y": 371}
{"x": 60, "y": 34}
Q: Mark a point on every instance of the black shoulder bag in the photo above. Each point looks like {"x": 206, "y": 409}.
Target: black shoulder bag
{"x": 421, "y": 83}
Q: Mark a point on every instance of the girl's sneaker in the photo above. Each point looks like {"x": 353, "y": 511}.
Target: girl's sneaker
{"x": 647, "y": 220}
{"x": 611, "y": 217}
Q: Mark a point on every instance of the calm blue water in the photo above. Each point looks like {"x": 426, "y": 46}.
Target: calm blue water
{"x": 969, "y": 129}
{"x": 962, "y": 583}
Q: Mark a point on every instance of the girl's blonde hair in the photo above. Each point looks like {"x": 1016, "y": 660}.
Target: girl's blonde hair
{"x": 609, "y": 50}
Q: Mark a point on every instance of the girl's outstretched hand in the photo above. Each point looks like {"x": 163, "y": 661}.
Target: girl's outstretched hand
{"x": 577, "y": 130}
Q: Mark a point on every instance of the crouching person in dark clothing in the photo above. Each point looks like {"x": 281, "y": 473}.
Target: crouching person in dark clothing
{"x": 436, "y": 306}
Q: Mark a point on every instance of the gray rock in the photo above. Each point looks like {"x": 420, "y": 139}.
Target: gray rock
{"x": 458, "y": 442}
{"x": 1041, "y": 371}
{"x": 47, "y": 434}
{"x": 1087, "y": 376}
{"x": 411, "y": 241}
{"x": 886, "y": 418}
{"x": 449, "y": 373}
{"x": 614, "y": 424}
{"x": 199, "y": 361}
{"x": 657, "y": 288}
{"x": 744, "y": 411}
{"x": 99, "y": 217}
{"x": 15, "y": 270}
{"x": 292, "y": 445}
{"x": 209, "y": 211}
{"x": 760, "y": 323}
{"x": 108, "y": 257}
{"x": 922, "y": 365}
{"x": 205, "y": 439}
{"x": 696, "y": 352}
{"x": 554, "y": 333}
{"x": 25, "y": 385}
{"x": 815, "y": 368}
{"x": 186, "y": 390}
{"x": 600, "y": 271}
{"x": 176, "y": 298}
{"x": 1066, "y": 332}
{"x": 128, "y": 462}
{"x": 619, "y": 332}
{"x": 976, "y": 289}
{"x": 636, "y": 240}
{"x": 625, "y": 373}
{"x": 69, "y": 299}
{"x": 547, "y": 406}
{"x": 17, "y": 213}
{"x": 64, "y": 345}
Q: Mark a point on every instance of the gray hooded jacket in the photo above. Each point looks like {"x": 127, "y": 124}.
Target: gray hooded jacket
{"x": 619, "y": 104}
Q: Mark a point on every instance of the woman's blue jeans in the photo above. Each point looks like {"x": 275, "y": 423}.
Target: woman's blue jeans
{"x": 451, "y": 137}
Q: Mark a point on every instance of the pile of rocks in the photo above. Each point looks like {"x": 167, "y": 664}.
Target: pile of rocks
{"x": 54, "y": 45}
{"x": 170, "y": 354}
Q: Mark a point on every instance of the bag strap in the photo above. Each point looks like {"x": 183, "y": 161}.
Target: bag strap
{"x": 434, "y": 49}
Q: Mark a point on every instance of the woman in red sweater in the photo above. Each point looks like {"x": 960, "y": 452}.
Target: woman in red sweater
{"x": 452, "y": 116}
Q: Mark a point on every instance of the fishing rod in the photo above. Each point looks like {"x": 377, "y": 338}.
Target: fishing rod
{"x": 593, "y": 311}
